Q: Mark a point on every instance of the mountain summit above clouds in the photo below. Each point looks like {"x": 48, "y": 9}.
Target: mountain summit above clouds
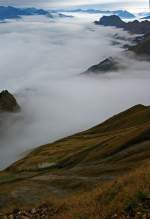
{"x": 142, "y": 46}
{"x": 8, "y": 102}
{"x": 135, "y": 26}
{"x": 107, "y": 65}
{"x": 14, "y": 13}
{"x": 121, "y": 13}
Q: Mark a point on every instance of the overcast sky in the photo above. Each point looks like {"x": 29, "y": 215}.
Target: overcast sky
{"x": 128, "y": 4}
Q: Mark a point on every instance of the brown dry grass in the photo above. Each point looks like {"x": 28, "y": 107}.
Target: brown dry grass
{"x": 108, "y": 198}
{"x": 117, "y": 150}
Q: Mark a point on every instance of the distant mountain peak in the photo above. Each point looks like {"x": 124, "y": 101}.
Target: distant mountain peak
{"x": 135, "y": 26}
{"x": 121, "y": 13}
{"x": 10, "y": 12}
{"x": 108, "y": 64}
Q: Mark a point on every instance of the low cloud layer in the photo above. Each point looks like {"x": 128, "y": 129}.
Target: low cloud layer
{"x": 40, "y": 62}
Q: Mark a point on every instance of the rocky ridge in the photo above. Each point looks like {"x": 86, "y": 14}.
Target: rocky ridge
{"x": 135, "y": 26}
{"x": 142, "y": 46}
{"x": 8, "y": 103}
{"x": 107, "y": 65}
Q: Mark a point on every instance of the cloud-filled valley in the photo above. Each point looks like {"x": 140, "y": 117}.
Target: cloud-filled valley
{"x": 40, "y": 62}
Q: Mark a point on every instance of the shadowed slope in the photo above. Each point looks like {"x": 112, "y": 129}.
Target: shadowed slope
{"x": 135, "y": 26}
{"x": 111, "y": 136}
{"x": 142, "y": 48}
{"x": 77, "y": 163}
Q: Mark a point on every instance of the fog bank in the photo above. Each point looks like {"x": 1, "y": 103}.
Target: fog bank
{"x": 41, "y": 61}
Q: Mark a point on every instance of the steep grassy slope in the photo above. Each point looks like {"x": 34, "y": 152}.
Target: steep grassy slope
{"x": 114, "y": 151}
{"x": 103, "y": 142}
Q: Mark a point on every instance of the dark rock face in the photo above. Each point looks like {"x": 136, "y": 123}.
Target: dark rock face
{"x": 140, "y": 39}
{"x": 142, "y": 46}
{"x": 138, "y": 27}
{"x": 8, "y": 102}
{"x": 133, "y": 27}
{"x": 112, "y": 20}
{"x": 106, "y": 65}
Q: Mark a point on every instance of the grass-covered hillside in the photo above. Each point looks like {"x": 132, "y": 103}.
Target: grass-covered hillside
{"x": 98, "y": 173}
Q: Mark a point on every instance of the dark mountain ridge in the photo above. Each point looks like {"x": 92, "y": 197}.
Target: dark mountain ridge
{"x": 142, "y": 42}
{"x": 135, "y": 26}
{"x": 14, "y": 13}
{"x": 121, "y": 13}
{"x": 142, "y": 46}
{"x": 107, "y": 65}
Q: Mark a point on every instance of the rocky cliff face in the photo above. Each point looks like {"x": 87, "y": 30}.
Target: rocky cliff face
{"x": 8, "y": 102}
{"x": 107, "y": 65}
{"x": 112, "y": 20}
{"x": 142, "y": 43}
{"x": 142, "y": 46}
{"x": 135, "y": 26}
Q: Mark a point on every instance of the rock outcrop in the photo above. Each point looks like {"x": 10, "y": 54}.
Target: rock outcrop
{"x": 142, "y": 46}
{"x": 8, "y": 102}
{"x": 113, "y": 20}
{"x": 135, "y": 26}
{"x": 106, "y": 65}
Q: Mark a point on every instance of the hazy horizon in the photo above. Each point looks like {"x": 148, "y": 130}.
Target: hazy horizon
{"x": 136, "y": 6}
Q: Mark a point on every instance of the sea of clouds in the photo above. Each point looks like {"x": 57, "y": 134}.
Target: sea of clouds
{"x": 40, "y": 63}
